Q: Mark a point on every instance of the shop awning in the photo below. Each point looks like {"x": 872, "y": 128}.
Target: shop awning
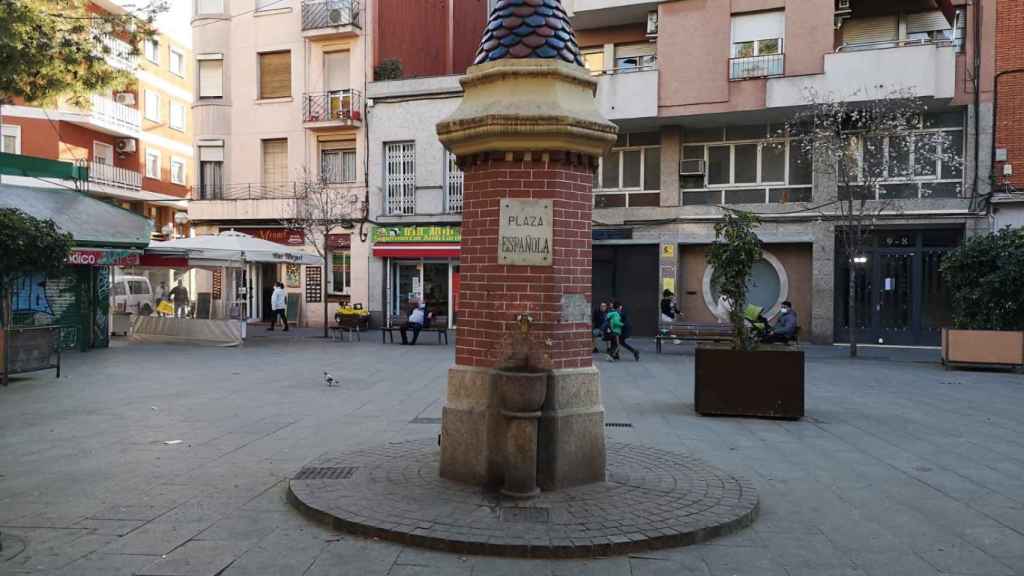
{"x": 91, "y": 222}
{"x": 232, "y": 249}
{"x": 416, "y": 250}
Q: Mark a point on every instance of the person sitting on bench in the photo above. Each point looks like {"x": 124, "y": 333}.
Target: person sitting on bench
{"x": 417, "y": 320}
{"x": 785, "y": 327}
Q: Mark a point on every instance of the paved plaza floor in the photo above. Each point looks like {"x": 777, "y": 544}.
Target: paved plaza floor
{"x": 900, "y": 468}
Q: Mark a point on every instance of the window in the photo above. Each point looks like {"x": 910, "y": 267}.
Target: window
{"x": 152, "y": 50}
{"x": 635, "y": 57}
{"x": 338, "y": 166}
{"x": 454, "y": 184}
{"x": 11, "y": 139}
{"x": 757, "y": 49}
{"x": 594, "y": 61}
{"x": 341, "y": 271}
{"x": 400, "y": 177}
{"x": 152, "y": 106}
{"x": 177, "y": 116}
{"x": 178, "y": 170}
{"x": 102, "y": 153}
{"x": 275, "y": 74}
{"x": 630, "y": 174}
{"x": 177, "y": 62}
{"x": 275, "y": 161}
{"x": 211, "y": 172}
{"x": 211, "y": 77}
{"x": 153, "y": 163}
{"x": 745, "y": 165}
{"x": 209, "y": 6}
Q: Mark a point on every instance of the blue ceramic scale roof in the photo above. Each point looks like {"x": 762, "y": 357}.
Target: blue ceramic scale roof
{"x": 529, "y": 29}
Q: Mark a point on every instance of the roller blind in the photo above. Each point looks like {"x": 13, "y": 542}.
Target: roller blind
{"x": 336, "y": 71}
{"x": 275, "y": 161}
{"x": 211, "y": 153}
{"x": 211, "y": 78}
{"x": 926, "y": 22}
{"x": 276, "y": 74}
{"x": 759, "y": 26}
{"x": 865, "y": 30}
{"x": 627, "y": 50}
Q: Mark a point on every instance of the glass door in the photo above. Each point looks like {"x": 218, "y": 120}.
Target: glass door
{"x": 895, "y": 302}
{"x": 436, "y": 283}
{"x": 408, "y": 286}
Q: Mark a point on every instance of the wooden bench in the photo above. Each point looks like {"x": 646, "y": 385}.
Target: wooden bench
{"x": 695, "y": 332}
{"x": 438, "y": 324}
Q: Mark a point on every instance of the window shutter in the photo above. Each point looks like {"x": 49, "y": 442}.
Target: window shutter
{"x": 275, "y": 162}
{"x": 866, "y": 30}
{"x": 276, "y": 75}
{"x": 211, "y": 78}
{"x": 926, "y": 22}
{"x": 759, "y": 26}
{"x": 630, "y": 50}
{"x": 336, "y": 71}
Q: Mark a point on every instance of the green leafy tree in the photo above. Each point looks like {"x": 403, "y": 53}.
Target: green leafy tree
{"x": 732, "y": 255}
{"x": 984, "y": 276}
{"x": 31, "y": 246}
{"x": 55, "y": 49}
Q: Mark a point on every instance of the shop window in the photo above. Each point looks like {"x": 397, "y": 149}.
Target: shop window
{"x": 275, "y": 74}
{"x": 341, "y": 271}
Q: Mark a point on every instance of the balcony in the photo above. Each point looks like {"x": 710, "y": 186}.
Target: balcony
{"x": 751, "y": 67}
{"x": 256, "y": 201}
{"x": 330, "y": 18}
{"x": 927, "y": 69}
{"x": 118, "y": 53}
{"x": 603, "y": 13}
{"x": 107, "y": 175}
{"x": 334, "y": 109}
{"x": 107, "y": 116}
{"x": 628, "y": 93}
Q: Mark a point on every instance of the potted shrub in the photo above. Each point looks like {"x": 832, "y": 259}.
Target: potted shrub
{"x": 984, "y": 276}
{"x": 744, "y": 378}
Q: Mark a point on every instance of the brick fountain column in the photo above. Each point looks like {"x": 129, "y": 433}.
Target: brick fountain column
{"x": 528, "y": 135}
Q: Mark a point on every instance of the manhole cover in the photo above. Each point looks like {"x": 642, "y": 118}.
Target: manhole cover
{"x": 425, "y": 421}
{"x": 524, "y": 514}
{"x": 618, "y": 425}
{"x": 325, "y": 473}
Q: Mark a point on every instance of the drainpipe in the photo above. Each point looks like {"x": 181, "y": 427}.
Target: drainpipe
{"x": 977, "y": 104}
{"x": 995, "y": 106}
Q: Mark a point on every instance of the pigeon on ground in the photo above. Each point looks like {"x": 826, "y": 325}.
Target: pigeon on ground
{"x": 331, "y": 380}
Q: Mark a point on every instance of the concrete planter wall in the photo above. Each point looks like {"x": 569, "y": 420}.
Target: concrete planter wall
{"x": 982, "y": 348}
{"x": 766, "y": 383}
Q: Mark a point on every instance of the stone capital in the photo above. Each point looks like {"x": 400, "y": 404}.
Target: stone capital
{"x": 527, "y": 105}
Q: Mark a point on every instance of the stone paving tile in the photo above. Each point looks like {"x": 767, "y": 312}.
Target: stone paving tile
{"x": 356, "y": 556}
{"x": 286, "y": 552}
{"x": 640, "y": 566}
{"x": 156, "y": 538}
{"x": 99, "y": 564}
{"x": 195, "y": 559}
{"x": 110, "y": 527}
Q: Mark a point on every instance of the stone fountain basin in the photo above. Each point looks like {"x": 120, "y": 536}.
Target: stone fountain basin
{"x": 521, "y": 391}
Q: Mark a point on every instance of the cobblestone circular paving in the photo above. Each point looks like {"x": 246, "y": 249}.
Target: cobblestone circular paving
{"x": 652, "y": 499}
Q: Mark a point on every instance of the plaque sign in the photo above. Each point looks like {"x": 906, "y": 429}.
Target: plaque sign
{"x": 525, "y": 233}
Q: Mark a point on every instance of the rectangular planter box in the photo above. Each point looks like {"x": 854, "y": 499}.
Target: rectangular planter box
{"x": 766, "y": 383}
{"x": 982, "y": 348}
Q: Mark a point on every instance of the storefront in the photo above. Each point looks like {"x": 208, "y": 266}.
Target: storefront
{"x": 421, "y": 263}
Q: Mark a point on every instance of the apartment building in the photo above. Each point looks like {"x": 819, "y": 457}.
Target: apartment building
{"x": 701, "y": 92}
{"x": 136, "y": 142}
{"x": 279, "y": 105}
{"x": 415, "y": 185}
{"x": 1008, "y": 106}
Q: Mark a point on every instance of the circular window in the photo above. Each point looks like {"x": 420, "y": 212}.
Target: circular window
{"x": 767, "y": 287}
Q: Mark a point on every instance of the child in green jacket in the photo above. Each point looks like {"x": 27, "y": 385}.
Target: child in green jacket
{"x": 614, "y": 322}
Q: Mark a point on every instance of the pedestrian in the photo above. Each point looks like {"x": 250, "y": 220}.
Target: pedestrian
{"x": 417, "y": 318}
{"x": 613, "y": 321}
{"x": 179, "y": 294}
{"x": 165, "y": 296}
{"x": 598, "y": 320}
{"x": 278, "y": 307}
{"x": 627, "y": 330}
{"x": 786, "y": 325}
{"x": 669, "y": 308}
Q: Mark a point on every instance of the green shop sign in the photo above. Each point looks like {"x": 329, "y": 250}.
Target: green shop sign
{"x": 396, "y": 234}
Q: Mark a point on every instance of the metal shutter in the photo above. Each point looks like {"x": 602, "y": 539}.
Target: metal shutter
{"x": 926, "y": 22}
{"x": 276, "y": 75}
{"x": 867, "y": 30}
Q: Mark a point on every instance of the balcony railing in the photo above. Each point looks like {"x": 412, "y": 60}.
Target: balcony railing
{"x": 329, "y": 13}
{"x": 251, "y": 191}
{"x": 757, "y": 66}
{"x": 118, "y": 53}
{"x": 342, "y": 106}
{"x": 109, "y": 114}
{"x": 883, "y": 44}
{"x": 113, "y": 176}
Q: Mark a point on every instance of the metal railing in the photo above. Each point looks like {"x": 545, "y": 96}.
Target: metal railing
{"x": 329, "y": 13}
{"x": 883, "y": 44}
{"x": 110, "y": 114}
{"x": 251, "y": 191}
{"x": 757, "y": 66}
{"x": 112, "y": 175}
{"x": 118, "y": 53}
{"x": 345, "y": 106}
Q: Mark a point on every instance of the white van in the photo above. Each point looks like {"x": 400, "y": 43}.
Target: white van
{"x": 133, "y": 294}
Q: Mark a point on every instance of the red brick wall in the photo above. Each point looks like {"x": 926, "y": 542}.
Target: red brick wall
{"x": 1010, "y": 93}
{"x": 492, "y": 295}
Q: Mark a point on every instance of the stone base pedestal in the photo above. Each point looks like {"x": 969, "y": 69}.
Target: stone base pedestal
{"x": 570, "y": 435}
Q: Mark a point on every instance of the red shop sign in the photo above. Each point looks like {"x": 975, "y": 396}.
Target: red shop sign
{"x": 339, "y": 241}
{"x": 278, "y": 235}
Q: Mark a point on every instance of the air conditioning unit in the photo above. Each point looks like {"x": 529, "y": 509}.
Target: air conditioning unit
{"x": 652, "y": 23}
{"x": 691, "y": 167}
{"x": 125, "y": 98}
{"x": 338, "y": 17}
{"x": 125, "y": 145}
